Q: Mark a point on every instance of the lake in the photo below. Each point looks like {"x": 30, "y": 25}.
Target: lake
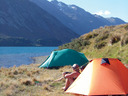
{"x": 10, "y": 56}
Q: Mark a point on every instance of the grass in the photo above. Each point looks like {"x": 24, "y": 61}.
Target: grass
{"x": 29, "y": 80}
{"x": 105, "y": 42}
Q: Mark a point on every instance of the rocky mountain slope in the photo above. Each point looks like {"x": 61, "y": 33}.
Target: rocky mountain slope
{"x": 24, "y": 23}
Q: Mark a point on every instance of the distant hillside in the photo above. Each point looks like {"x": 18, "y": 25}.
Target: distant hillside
{"x": 74, "y": 17}
{"x": 105, "y": 42}
{"x": 23, "y": 23}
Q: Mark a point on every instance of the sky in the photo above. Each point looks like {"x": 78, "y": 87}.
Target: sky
{"x": 105, "y": 8}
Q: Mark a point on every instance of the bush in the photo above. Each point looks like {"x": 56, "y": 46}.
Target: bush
{"x": 100, "y": 45}
{"x": 115, "y": 39}
{"x": 95, "y": 34}
{"x": 92, "y": 35}
{"x": 102, "y": 37}
{"x": 86, "y": 42}
{"x": 76, "y": 44}
{"x": 89, "y": 36}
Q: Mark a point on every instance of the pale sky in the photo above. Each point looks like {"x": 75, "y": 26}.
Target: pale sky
{"x": 105, "y": 8}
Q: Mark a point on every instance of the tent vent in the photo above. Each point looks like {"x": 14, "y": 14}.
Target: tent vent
{"x": 105, "y": 61}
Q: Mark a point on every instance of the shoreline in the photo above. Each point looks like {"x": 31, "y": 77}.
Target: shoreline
{"x": 18, "y": 56}
{"x": 39, "y": 59}
{"x": 34, "y": 60}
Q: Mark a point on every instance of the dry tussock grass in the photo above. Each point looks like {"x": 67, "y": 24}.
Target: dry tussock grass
{"x": 29, "y": 80}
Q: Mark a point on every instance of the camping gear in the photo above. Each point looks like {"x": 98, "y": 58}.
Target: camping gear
{"x": 64, "y": 57}
{"x": 103, "y": 76}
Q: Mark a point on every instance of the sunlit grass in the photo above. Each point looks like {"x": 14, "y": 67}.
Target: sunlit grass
{"x": 105, "y": 42}
{"x": 29, "y": 80}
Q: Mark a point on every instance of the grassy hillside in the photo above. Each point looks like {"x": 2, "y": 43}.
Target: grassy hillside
{"x": 105, "y": 42}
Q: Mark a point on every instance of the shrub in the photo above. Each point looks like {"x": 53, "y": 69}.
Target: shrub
{"x": 115, "y": 39}
{"x": 86, "y": 42}
{"x": 100, "y": 45}
{"x": 89, "y": 36}
{"x": 95, "y": 34}
{"x": 76, "y": 44}
{"x": 102, "y": 37}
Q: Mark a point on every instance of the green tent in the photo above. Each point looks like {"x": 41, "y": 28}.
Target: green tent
{"x": 64, "y": 57}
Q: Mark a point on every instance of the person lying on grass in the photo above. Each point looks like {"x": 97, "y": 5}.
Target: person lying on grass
{"x": 70, "y": 76}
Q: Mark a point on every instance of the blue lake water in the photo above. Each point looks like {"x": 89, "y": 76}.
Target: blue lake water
{"x": 10, "y": 56}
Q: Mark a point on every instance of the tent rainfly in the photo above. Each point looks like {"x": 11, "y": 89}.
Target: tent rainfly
{"x": 64, "y": 57}
{"x": 103, "y": 76}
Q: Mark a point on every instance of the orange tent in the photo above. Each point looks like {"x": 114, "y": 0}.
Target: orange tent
{"x": 103, "y": 76}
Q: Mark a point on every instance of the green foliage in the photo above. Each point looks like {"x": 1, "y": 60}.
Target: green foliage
{"x": 99, "y": 45}
{"x": 115, "y": 39}
{"x": 95, "y": 35}
{"x": 76, "y": 44}
{"x": 86, "y": 42}
{"x": 102, "y": 37}
{"x": 108, "y": 42}
{"x": 89, "y": 36}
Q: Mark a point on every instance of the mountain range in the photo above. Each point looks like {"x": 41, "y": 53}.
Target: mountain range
{"x": 76, "y": 18}
{"x": 44, "y": 23}
{"x": 24, "y": 23}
